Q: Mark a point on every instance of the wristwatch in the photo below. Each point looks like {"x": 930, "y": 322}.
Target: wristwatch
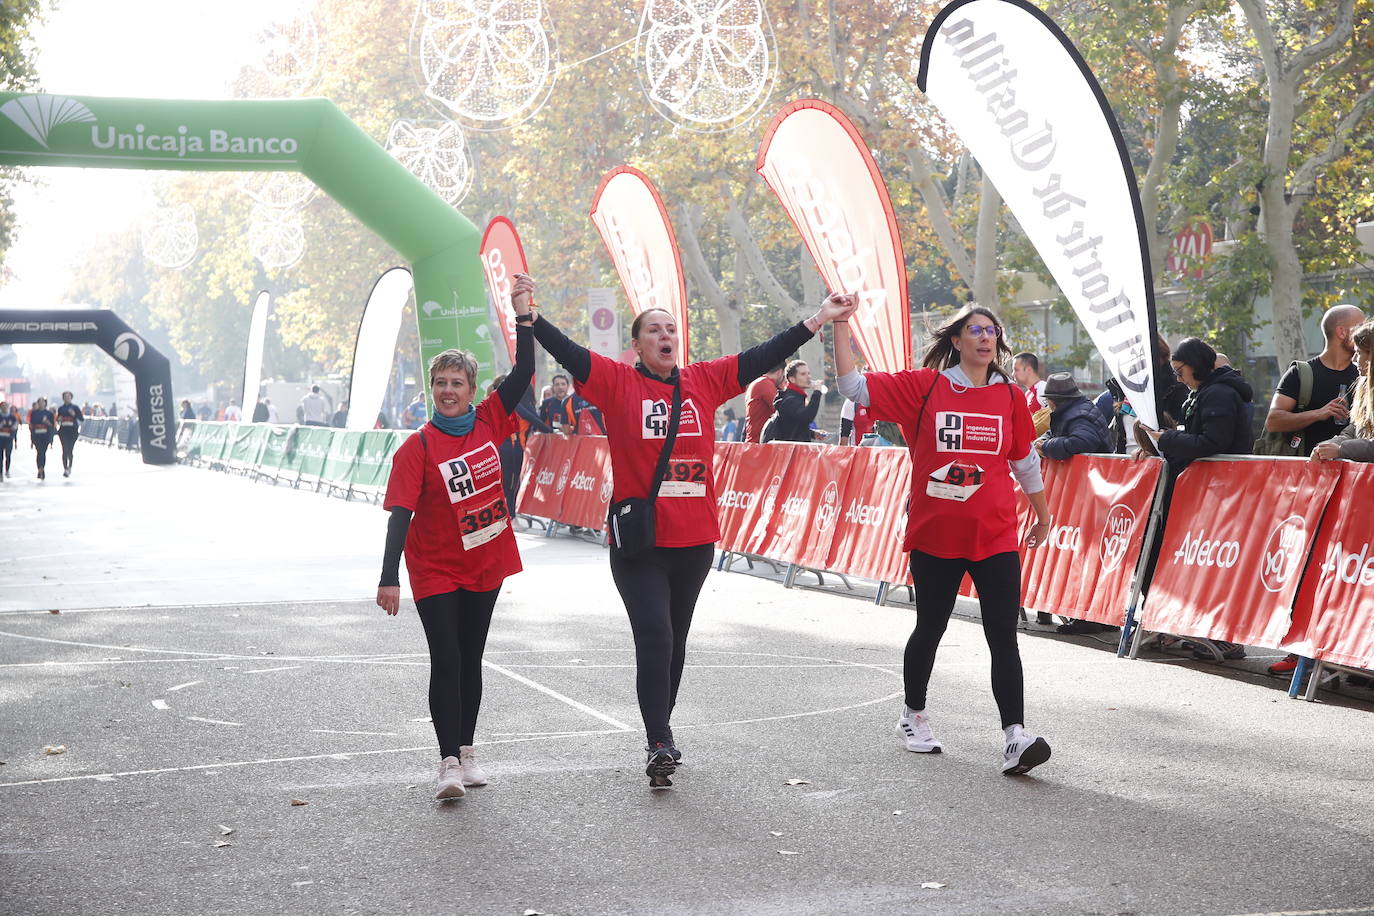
{"x": 527, "y": 318}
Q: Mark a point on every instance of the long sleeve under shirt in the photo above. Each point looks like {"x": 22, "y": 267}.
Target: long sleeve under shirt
{"x": 1026, "y": 470}
{"x": 510, "y": 392}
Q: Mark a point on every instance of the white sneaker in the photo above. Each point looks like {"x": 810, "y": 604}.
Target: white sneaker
{"x": 472, "y": 773}
{"x": 914, "y": 729}
{"x": 1024, "y": 751}
{"x": 450, "y": 779}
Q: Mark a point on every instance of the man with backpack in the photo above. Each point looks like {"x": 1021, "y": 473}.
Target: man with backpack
{"x": 1312, "y": 403}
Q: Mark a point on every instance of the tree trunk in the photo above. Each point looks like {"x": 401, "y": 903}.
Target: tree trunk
{"x": 924, "y": 180}
{"x": 985, "y": 255}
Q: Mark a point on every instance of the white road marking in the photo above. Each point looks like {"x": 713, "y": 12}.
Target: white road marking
{"x": 332, "y": 731}
{"x": 215, "y": 721}
{"x": 282, "y": 668}
{"x": 160, "y": 704}
{"x": 1347, "y": 910}
{"x": 183, "y": 686}
{"x": 616, "y": 723}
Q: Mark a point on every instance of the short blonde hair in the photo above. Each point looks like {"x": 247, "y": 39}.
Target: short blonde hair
{"x": 461, "y": 360}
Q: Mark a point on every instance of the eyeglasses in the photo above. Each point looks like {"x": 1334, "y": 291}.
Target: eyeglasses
{"x": 979, "y": 330}
{"x": 1178, "y": 374}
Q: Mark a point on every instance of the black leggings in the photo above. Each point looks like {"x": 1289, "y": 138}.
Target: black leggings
{"x": 41, "y": 443}
{"x": 456, "y": 625}
{"x": 660, "y": 589}
{"x": 68, "y": 447}
{"x": 6, "y": 452}
{"x": 998, "y": 580}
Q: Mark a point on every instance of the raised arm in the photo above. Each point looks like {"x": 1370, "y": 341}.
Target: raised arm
{"x": 522, "y": 373}
{"x": 759, "y": 359}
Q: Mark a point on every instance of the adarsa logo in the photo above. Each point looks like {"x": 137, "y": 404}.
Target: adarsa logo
{"x": 1200, "y": 551}
{"x": 157, "y": 420}
{"x": 1283, "y": 553}
{"x": 1350, "y": 568}
{"x": 1116, "y": 536}
{"x": 829, "y": 508}
{"x": 32, "y": 326}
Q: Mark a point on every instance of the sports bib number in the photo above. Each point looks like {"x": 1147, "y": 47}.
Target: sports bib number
{"x": 66, "y": 423}
{"x": 481, "y": 525}
{"x": 684, "y": 478}
{"x": 955, "y": 481}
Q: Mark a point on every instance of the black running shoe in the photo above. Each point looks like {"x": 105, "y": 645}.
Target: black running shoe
{"x": 661, "y": 765}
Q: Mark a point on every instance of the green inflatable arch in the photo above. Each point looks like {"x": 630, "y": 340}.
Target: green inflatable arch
{"x": 310, "y": 136}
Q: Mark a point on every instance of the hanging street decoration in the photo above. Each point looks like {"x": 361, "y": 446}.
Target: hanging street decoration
{"x": 170, "y": 239}
{"x": 434, "y": 152}
{"x": 275, "y": 236}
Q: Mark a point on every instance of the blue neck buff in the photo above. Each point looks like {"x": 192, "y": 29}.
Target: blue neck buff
{"x": 455, "y": 426}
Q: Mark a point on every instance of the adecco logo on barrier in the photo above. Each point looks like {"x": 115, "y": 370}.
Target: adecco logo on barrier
{"x": 1283, "y": 553}
{"x": 1199, "y": 551}
{"x": 829, "y": 508}
{"x": 563, "y": 473}
{"x": 1066, "y": 537}
{"x": 736, "y": 499}
{"x": 1116, "y": 536}
{"x": 868, "y": 514}
{"x": 583, "y": 481}
{"x": 1351, "y": 568}
{"x": 544, "y": 477}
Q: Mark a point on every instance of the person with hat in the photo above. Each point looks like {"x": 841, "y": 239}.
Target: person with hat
{"x": 1076, "y": 426}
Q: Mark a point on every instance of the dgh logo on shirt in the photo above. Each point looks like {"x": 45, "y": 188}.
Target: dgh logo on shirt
{"x": 976, "y": 433}
{"x": 654, "y": 415}
{"x": 469, "y": 474}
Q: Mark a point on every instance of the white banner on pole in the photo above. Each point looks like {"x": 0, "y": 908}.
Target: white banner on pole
{"x": 252, "y": 360}
{"x": 375, "y": 351}
{"x": 603, "y": 323}
{"x": 1024, "y": 102}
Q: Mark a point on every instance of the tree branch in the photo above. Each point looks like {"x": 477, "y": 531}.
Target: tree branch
{"x": 918, "y": 163}
{"x": 1305, "y": 178}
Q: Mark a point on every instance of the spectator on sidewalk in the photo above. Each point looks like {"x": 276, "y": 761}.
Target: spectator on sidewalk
{"x": 1355, "y": 441}
{"x": 1026, "y": 370}
{"x": 758, "y": 404}
{"x": 271, "y": 411}
{"x": 232, "y": 412}
{"x": 1076, "y": 426}
{"x": 1325, "y": 380}
{"x": 314, "y": 408}
{"x": 794, "y": 410}
{"x": 340, "y": 418}
{"x": 260, "y": 413}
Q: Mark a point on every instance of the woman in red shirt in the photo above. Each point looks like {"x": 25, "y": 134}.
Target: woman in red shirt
{"x": 966, "y": 425}
{"x": 660, "y": 585}
{"x": 449, "y": 515}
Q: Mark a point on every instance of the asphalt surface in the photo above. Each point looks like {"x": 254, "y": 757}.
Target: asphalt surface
{"x": 217, "y": 657}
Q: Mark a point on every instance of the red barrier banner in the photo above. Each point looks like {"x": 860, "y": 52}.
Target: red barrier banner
{"x": 1236, "y": 540}
{"x": 748, "y": 479}
{"x": 587, "y": 495}
{"x": 502, "y": 258}
{"x": 871, "y": 523}
{"x": 551, "y": 469}
{"x": 1333, "y": 619}
{"x": 534, "y": 449}
{"x": 1099, "y": 508}
{"x": 802, "y": 525}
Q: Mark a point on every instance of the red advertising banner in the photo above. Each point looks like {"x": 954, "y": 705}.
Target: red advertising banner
{"x": 1236, "y": 540}
{"x": 748, "y": 480}
{"x": 1100, "y": 508}
{"x": 634, "y": 226}
{"x": 871, "y": 523}
{"x": 802, "y": 525}
{"x": 551, "y": 467}
{"x": 1333, "y": 619}
{"x": 818, "y": 164}
{"x": 502, "y": 257}
{"x": 587, "y": 496}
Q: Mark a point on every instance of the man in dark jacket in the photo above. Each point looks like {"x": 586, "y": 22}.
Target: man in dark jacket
{"x": 794, "y": 411}
{"x": 1076, "y": 426}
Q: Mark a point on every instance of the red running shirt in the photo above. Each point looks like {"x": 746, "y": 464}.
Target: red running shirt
{"x": 635, "y": 409}
{"x": 461, "y": 536}
{"x": 963, "y": 502}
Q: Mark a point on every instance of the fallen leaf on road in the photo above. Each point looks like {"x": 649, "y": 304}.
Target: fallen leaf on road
{"x": 799, "y": 782}
{"x": 932, "y": 885}
{"x": 296, "y": 803}
{"x": 53, "y": 750}
{"x": 220, "y": 844}
{"x": 1111, "y": 709}
{"x": 224, "y": 831}
{"x": 788, "y": 852}
{"x": 775, "y": 833}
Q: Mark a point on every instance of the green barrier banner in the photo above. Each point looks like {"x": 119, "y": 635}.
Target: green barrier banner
{"x": 312, "y": 447}
{"x": 310, "y": 136}
{"x": 374, "y": 458}
{"x": 221, "y": 439}
{"x": 274, "y": 452}
{"x": 291, "y": 464}
{"x": 343, "y": 455}
{"x": 196, "y": 444}
{"x": 247, "y": 443}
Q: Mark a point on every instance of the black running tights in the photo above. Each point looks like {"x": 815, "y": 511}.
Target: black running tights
{"x": 998, "y": 580}
{"x": 68, "y": 448}
{"x": 456, "y": 625}
{"x": 6, "y": 452}
{"x": 660, "y": 589}
{"x": 41, "y": 444}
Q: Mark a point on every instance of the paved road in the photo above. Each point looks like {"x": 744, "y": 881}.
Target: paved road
{"x": 249, "y": 673}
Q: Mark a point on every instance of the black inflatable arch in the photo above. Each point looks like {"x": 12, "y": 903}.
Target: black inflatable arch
{"x": 157, "y": 434}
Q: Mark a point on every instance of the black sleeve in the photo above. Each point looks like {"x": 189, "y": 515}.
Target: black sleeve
{"x": 396, "y": 529}
{"x": 1216, "y": 427}
{"x": 759, "y": 359}
{"x": 813, "y": 407}
{"x": 527, "y": 413}
{"x": 846, "y": 427}
{"x": 1291, "y": 384}
{"x": 522, "y": 373}
{"x": 574, "y": 357}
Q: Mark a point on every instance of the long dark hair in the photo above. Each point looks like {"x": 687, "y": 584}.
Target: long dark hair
{"x": 1196, "y": 355}
{"x": 941, "y": 353}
